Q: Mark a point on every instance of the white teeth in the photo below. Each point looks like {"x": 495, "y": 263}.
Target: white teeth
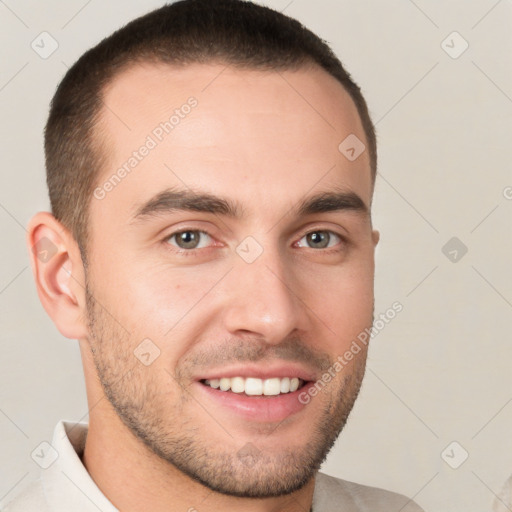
{"x": 271, "y": 386}
{"x": 254, "y": 387}
{"x": 215, "y": 383}
{"x": 237, "y": 385}
{"x": 225, "y": 384}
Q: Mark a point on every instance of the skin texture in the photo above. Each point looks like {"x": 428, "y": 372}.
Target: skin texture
{"x": 267, "y": 140}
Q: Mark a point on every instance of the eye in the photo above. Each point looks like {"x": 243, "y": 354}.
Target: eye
{"x": 321, "y": 239}
{"x": 187, "y": 239}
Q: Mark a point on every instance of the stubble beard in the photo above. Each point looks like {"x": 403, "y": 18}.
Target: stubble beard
{"x": 162, "y": 421}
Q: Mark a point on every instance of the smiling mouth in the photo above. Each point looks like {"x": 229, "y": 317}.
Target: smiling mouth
{"x": 252, "y": 386}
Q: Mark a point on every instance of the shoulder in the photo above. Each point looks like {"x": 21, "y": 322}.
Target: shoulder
{"x": 332, "y": 494}
{"x": 503, "y": 501}
{"x": 30, "y": 499}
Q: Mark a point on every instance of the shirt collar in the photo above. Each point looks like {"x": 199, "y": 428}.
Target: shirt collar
{"x": 66, "y": 483}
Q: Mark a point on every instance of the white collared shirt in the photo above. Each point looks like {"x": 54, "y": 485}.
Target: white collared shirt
{"x": 503, "y": 502}
{"x": 65, "y": 485}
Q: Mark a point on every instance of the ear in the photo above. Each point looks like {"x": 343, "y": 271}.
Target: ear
{"x": 375, "y": 237}
{"x": 59, "y": 274}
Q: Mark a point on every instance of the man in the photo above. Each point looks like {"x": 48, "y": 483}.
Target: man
{"x": 210, "y": 169}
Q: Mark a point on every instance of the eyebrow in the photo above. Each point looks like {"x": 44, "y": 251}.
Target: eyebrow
{"x": 174, "y": 200}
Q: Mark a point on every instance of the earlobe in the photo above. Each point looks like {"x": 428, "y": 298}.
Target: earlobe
{"x": 375, "y": 237}
{"x": 58, "y": 272}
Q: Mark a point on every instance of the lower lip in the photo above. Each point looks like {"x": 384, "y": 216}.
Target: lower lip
{"x": 263, "y": 409}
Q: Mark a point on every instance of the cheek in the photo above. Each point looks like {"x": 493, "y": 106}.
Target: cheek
{"x": 346, "y": 310}
{"x": 344, "y": 302}
{"x": 161, "y": 300}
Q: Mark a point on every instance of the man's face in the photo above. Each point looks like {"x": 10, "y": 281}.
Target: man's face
{"x": 271, "y": 292}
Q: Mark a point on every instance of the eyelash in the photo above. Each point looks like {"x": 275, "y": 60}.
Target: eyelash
{"x": 191, "y": 252}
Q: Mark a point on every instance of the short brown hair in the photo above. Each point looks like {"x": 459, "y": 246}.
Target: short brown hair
{"x": 235, "y": 32}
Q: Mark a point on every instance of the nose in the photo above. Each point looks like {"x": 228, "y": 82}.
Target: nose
{"x": 261, "y": 298}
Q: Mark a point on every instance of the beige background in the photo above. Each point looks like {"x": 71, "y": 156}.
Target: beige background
{"x": 440, "y": 371}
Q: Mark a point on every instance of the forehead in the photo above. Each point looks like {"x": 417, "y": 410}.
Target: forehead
{"x": 228, "y": 131}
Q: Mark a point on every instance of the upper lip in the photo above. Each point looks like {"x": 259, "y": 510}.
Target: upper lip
{"x": 270, "y": 370}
